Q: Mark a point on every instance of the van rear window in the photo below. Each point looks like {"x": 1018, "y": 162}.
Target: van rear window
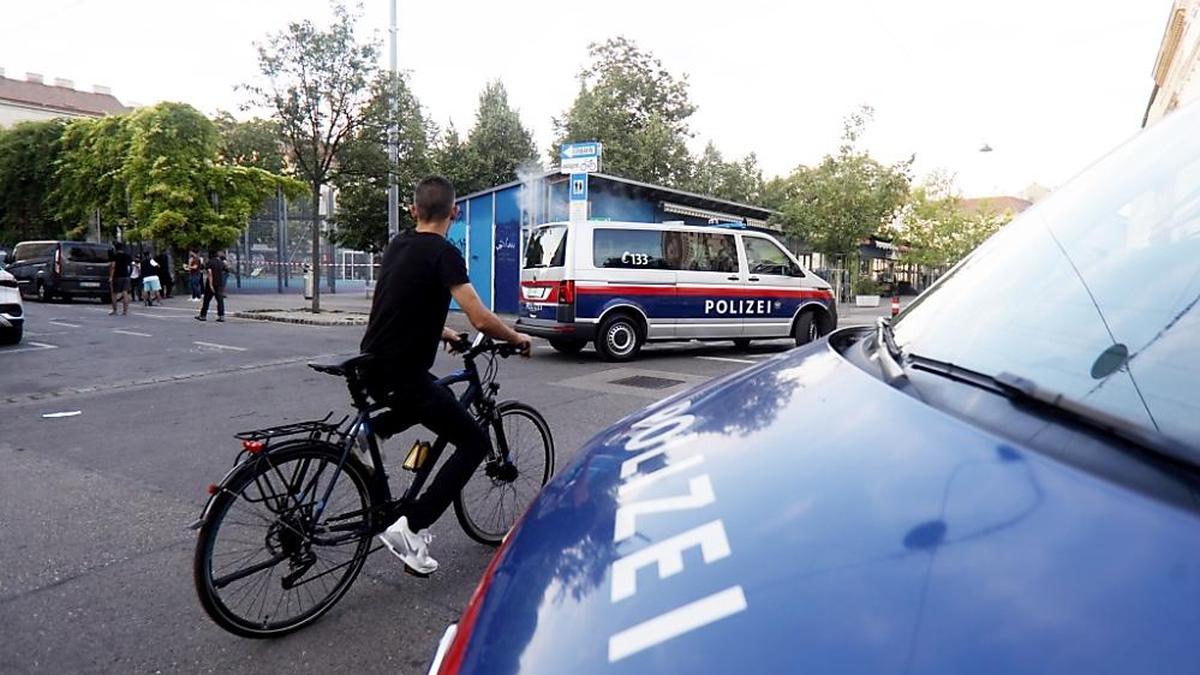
{"x": 89, "y": 254}
{"x": 547, "y": 247}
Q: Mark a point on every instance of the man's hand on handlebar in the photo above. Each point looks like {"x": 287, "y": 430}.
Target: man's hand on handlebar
{"x": 524, "y": 345}
{"x": 455, "y": 342}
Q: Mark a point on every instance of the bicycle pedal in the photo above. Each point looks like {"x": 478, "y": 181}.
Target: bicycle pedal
{"x": 419, "y": 575}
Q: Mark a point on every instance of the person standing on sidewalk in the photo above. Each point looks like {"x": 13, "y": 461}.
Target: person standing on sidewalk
{"x": 164, "y": 273}
{"x": 118, "y": 278}
{"x": 135, "y": 279}
{"x": 214, "y": 286}
{"x": 195, "y": 274}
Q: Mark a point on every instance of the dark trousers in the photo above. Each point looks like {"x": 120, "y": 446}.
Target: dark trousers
{"x": 418, "y": 400}
{"x": 208, "y": 296}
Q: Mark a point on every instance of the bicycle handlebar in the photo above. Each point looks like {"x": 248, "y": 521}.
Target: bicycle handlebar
{"x": 486, "y": 344}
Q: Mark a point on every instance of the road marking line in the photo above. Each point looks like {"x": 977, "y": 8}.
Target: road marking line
{"x": 67, "y": 413}
{"x": 131, "y": 332}
{"x": 64, "y": 324}
{"x": 217, "y": 346}
{"x": 759, "y": 356}
{"x": 37, "y": 347}
{"x": 724, "y": 359}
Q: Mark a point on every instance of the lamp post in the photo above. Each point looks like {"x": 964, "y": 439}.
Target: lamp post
{"x": 393, "y": 133}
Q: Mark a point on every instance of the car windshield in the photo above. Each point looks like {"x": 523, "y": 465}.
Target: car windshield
{"x": 546, "y": 247}
{"x": 1093, "y": 292}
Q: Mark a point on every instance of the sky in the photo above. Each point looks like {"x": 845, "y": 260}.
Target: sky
{"x": 1050, "y": 85}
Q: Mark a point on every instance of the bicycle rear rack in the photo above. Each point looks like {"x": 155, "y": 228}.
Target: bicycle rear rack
{"x": 316, "y": 430}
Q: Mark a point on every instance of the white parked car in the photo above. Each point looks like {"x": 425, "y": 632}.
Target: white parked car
{"x": 12, "y": 314}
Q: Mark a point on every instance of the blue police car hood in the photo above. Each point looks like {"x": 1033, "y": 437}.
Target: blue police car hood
{"x": 801, "y": 516}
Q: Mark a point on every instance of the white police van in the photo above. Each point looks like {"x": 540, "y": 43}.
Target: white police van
{"x": 624, "y": 284}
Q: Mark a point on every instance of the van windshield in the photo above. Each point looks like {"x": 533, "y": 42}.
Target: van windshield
{"x": 547, "y": 247}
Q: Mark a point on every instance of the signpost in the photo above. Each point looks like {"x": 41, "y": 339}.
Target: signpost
{"x": 579, "y": 157}
{"x": 578, "y": 160}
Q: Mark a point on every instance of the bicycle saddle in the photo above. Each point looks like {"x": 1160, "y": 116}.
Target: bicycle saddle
{"x": 341, "y": 366}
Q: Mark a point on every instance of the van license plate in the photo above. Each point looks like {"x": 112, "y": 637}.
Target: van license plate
{"x": 537, "y": 292}
{"x": 89, "y": 284}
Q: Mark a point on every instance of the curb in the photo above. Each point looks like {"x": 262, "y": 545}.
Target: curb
{"x": 337, "y": 318}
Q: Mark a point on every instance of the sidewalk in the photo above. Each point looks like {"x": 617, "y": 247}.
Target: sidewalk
{"x": 351, "y": 308}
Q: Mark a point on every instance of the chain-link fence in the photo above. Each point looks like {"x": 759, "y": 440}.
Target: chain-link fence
{"x": 275, "y": 252}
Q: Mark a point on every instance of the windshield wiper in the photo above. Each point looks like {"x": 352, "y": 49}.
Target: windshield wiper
{"x": 1027, "y": 392}
{"x": 891, "y": 357}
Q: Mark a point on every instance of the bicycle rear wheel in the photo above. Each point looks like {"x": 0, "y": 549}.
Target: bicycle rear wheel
{"x": 266, "y": 563}
{"x": 499, "y": 491}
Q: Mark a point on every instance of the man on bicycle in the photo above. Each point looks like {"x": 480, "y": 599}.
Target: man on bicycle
{"x": 421, "y": 271}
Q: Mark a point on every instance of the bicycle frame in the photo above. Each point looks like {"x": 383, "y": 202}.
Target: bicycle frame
{"x": 380, "y": 486}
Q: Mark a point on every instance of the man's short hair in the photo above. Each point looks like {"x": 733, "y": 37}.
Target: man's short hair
{"x": 434, "y": 199}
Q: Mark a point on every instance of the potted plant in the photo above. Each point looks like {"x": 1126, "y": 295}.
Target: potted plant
{"x": 866, "y": 293}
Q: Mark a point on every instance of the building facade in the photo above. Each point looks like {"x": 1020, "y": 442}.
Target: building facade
{"x": 1176, "y": 70}
{"x": 33, "y": 99}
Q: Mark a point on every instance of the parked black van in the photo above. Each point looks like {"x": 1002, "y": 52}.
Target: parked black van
{"x": 61, "y": 269}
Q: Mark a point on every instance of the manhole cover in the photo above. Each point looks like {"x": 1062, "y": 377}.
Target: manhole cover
{"x": 648, "y": 382}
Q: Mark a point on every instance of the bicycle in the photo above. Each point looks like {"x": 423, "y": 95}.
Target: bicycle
{"x": 298, "y": 510}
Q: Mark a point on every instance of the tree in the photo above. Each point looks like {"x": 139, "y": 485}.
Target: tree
{"x": 255, "y": 143}
{"x": 451, "y": 157}
{"x": 498, "y": 143}
{"x": 91, "y": 179}
{"x": 178, "y": 193}
{"x": 738, "y": 181}
{"x": 318, "y": 85}
{"x": 362, "y": 178}
{"x": 845, "y": 199}
{"x": 29, "y": 152}
{"x": 636, "y": 108}
{"x": 940, "y": 229}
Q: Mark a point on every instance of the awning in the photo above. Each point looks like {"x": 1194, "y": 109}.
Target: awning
{"x": 680, "y": 209}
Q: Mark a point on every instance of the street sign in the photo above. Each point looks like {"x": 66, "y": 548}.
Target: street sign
{"x": 577, "y": 190}
{"x": 580, "y": 157}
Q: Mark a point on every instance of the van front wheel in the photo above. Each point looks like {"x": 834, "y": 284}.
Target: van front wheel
{"x": 619, "y": 338}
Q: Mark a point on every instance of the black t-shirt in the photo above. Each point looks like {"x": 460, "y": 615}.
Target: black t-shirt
{"x": 412, "y": 297}
{"x": 217, "y": 267}
{"x": 123, "y": 262}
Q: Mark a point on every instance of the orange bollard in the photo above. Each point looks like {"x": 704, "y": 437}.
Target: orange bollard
{"x": 895, "y": 305}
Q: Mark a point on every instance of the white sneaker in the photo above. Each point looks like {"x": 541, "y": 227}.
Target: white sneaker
{"x": 411, "y": 547}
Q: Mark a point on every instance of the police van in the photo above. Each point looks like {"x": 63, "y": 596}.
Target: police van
{"x": 621, "y": 285}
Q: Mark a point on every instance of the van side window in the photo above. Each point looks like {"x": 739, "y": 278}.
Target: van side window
{"x": 635, "y": 249}
{"x": 705, "y": 252}
{"x": 765, "y": 257}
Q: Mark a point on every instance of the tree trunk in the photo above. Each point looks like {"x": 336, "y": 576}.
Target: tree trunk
{"x": 316, "y": 247}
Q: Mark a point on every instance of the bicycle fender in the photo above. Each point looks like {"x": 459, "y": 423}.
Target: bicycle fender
{"x": 199, "y": 522}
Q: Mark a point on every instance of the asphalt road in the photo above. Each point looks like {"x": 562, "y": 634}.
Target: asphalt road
{"x": 95, "y": 560}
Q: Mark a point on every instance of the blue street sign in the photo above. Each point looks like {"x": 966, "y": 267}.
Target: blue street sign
{"x": 579, "y": 150}
{"x": 579, "y": 185}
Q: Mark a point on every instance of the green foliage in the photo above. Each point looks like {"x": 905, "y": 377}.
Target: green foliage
{"x": 738, "y": 181}
{"x": 362, "y": 178}
{"x": 29, "y": 152}
{"x": 637, "y": 109}
{"x": 940, "y": 229}
{"x": 497, "y": 144}
{"x": 255, "y": 143}
{"x": 845, "y": 199}
{"x": 91, "y": 174}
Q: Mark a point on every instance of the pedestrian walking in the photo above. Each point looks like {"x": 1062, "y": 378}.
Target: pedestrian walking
{"x": 215, "y": 271}
{"x": 195, "y": 274}
{"x": 151, "y": 285}
{"x": 165, "y": 277}
{"x": 135, "y": 279}
{"x": 118, "y": 278}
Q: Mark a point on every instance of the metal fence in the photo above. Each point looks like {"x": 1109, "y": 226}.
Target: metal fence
{"x": 275, "y": 251}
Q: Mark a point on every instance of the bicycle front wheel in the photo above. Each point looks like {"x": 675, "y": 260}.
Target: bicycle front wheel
{"x": 504, "y": 486}
{"x": 274, "y": 554}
